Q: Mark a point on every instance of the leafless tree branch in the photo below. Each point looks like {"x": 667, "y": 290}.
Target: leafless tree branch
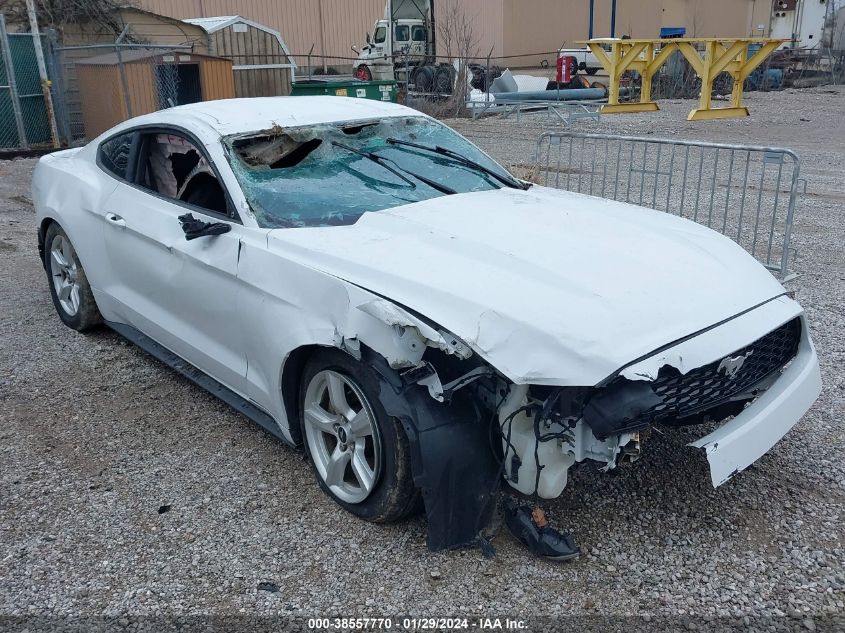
{"x": 459, "y": 42}
{"x": 58, "y": 13}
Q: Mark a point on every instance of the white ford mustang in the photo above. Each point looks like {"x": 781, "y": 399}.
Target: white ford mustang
{"x": 361, "y": 280}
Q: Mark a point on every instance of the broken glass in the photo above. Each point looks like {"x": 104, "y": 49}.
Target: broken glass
{"x": 296, "y": 177}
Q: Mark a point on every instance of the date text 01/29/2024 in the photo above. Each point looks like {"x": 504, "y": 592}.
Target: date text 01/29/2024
{"x": 420, "y": 623}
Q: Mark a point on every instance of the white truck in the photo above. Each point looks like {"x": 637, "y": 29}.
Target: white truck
{"x": 403, "y": 48}
{"x": 402, "y": 42}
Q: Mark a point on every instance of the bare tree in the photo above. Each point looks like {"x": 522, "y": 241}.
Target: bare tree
{"x": 58, "y": 13}
{"x": 459, "y": 42}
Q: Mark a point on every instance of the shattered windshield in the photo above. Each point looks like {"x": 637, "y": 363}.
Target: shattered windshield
{"x": 330, "y": 174}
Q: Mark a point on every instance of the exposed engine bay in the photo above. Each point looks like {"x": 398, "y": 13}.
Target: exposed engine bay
{"x": 537, "y": 433}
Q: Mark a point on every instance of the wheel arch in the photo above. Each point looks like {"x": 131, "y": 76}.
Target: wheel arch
{"x": 44, "y": 226}
{"x": 291, "y": 379}
{"x": 290, "y": 382}
{"x": 42, "y": 233}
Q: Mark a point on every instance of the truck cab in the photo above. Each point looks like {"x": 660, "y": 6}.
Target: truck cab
{"x": 395, "y": 45}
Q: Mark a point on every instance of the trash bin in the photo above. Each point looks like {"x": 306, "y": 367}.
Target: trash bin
{"x": 381, "y": 90}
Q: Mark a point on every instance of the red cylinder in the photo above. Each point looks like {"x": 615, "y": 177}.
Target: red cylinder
{"x": 565, "y": 67}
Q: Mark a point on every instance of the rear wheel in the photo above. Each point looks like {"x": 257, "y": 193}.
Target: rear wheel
{"x": 422, "y": 78}
{"x": 444, "y": 77}
{"x": 359, "y": 454}
{"x": 69, "y": 288}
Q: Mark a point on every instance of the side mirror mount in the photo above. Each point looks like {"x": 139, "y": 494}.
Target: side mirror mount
{"x": 194, "y": 228}
{"x": 368, "y": 39}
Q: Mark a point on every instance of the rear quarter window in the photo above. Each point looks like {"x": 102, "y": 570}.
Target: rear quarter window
{"x": 113, "y": 154}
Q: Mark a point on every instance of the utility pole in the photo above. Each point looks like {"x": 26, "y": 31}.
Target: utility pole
{"x": 42, "y": 72}
{"x": 322, "y": 35}
{"x": 613, "y": 18}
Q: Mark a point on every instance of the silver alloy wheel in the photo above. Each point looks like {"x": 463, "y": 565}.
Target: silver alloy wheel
{"x": 342, "y": 435}
{"x": 64, "y": 270}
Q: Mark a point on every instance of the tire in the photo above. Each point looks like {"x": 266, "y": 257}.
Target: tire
{"x": 363, "y": 73}
{"x": 69, "y": 288}
{"x": 361, "y": 459}
{"x": 423, "y": 79}
{"x": 444, "y": 79}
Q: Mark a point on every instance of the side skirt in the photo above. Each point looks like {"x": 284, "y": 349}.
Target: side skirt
{"x": 200, "y": 378}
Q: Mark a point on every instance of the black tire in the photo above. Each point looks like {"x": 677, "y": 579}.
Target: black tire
{"x": 394, "y": 495}
{"x": 444, "y": 79}
{"x": 423, "y": 79}
{"x": 86, "y": 316}
{"x": 479, "y": 73}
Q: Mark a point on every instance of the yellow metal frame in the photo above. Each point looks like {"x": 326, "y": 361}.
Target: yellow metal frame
{"x": 647, "y": 56}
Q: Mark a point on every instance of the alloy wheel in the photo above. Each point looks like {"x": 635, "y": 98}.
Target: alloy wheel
{"x": 342, "y": 435}
{"x": 65, "y": 274}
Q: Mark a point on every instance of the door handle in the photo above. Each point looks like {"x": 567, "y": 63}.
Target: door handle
{"x": 115, "y": 219}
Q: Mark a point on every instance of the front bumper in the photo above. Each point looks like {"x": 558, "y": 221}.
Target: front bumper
{"x": 743, "y": 440}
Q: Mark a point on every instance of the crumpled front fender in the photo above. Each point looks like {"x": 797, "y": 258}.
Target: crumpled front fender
{"x": 451, "y": 459}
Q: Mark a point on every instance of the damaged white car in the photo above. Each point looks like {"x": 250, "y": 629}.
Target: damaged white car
{"x": 363, "y": 281}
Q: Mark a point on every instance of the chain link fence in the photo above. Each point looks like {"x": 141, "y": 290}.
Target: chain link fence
{"x": 24, "y": 118}
{"x": 142, "y": 78}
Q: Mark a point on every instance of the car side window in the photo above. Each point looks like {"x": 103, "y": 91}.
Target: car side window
{"x": 419, "y": 34}
{"x": 380, "y": 35}
{"x": 401, "y": 33}
{"x": 172, "y": 166}
{"x": 113, "y": 154}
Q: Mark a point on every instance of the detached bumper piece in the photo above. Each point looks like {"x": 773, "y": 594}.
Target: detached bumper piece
{"x": 743, "y": 440}
{"x": 626, "y": 405}
{"x": 540, "y": 539}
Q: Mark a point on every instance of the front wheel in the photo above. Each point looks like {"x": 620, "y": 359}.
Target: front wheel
{"x": 359, "y": 454}
{"x": 69, "y": 288}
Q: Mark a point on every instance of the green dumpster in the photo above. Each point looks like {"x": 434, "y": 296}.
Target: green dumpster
{"x": 383, "y": 90}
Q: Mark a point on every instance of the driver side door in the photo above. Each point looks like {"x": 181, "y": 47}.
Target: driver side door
{"x": 183, "y": 294}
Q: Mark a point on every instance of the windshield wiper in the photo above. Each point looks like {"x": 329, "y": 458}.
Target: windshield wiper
{"x": 381, "y": 160}
{"x": 508, "y": 181}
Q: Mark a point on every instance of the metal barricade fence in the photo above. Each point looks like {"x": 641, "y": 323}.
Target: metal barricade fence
{"x": 747, "y": 193}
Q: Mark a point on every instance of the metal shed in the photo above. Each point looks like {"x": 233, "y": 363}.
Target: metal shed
{"x": 261, "y": 60}
{"x": 121, "y": 85}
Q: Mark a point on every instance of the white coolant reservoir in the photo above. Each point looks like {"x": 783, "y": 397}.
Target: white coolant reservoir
{"x": 523, "y": 440}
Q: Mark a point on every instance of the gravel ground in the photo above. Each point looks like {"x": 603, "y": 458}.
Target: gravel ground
{"x": 126, "y": 490}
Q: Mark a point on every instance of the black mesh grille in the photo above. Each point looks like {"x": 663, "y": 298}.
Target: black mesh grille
{"x": 708, "y": 386}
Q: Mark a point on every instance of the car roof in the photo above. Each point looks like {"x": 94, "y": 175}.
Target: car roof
{"x": 238, "y": 116}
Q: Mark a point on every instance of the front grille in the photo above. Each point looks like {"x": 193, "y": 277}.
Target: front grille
{"x": 710, "y": 386}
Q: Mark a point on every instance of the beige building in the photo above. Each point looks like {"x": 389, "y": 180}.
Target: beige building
{"x": 525, "y": 32}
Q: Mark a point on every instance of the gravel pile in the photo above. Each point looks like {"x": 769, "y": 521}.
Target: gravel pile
{"x": 126, "y": 490}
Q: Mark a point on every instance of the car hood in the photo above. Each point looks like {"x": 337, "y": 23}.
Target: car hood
{"x": 549, "y": 287}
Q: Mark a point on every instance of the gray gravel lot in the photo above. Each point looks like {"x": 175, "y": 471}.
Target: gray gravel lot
{"x": 97, "y": 439}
